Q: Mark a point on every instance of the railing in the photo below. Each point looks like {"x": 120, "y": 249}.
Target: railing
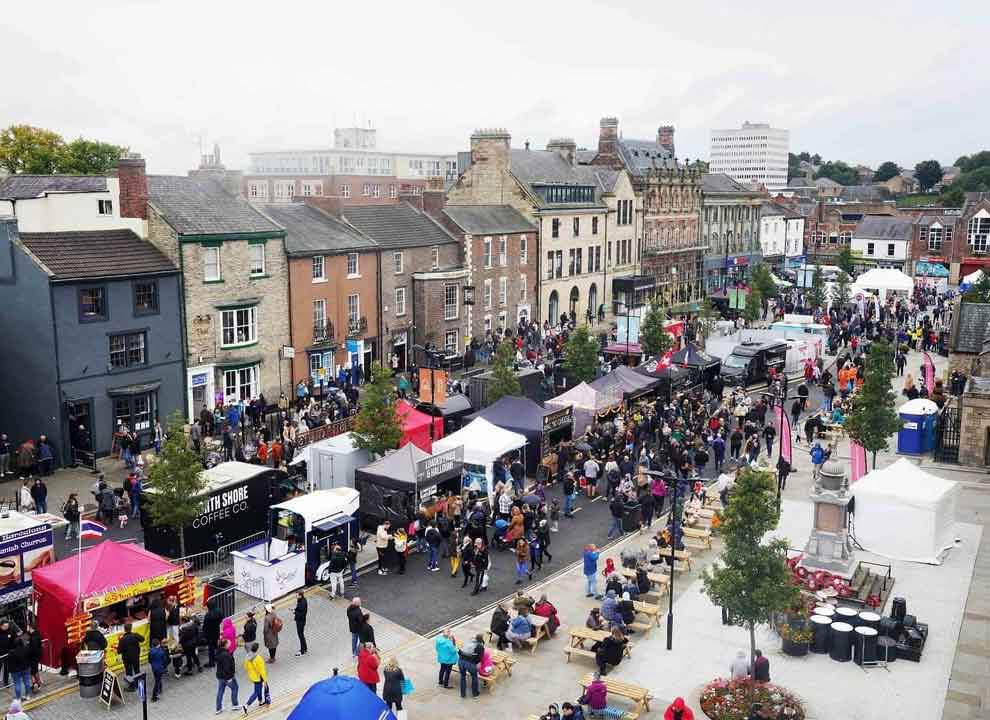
{"x": 224, "y": 550}
{"x": 357, "y": 326}
{"x": 323, "y": 432}
{"x": 255, "y": 587}
{"x": 323, "y": 332}
{"x": 204, "y": 562}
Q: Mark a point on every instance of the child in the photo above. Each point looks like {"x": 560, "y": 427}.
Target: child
{"x": 554, "y": 515}
{"x": 177, "y": 656}
{"x": 158, "y": 659}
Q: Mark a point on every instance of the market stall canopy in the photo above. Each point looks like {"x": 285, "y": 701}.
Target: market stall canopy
{"x": 691, "y": 356}
{"x": 930, "y": 269}
{"x": 905, "y": 513}
{"x": 397, "y": 470}
{"x": 416, "y": 426}
{"x": 623, "y": 381}
{"x": 780, "y": 282}
{"x": 885, "y": 279}
{"x": 585, "y": 400}
{"x": 321, "y": 504}
{"x": 519, "y": 415}
{"x": 455, "y": 404}
{"x": 340, "y": 697}
{"x": 482, "y": 441}
{"x": 971, "y": 279}
{"x": 624, "y": 348}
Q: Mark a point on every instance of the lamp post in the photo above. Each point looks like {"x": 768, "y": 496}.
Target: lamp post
{"x": 675, "y": 523}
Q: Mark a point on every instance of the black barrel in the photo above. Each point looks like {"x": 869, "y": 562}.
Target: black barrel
{"x": 89, "y": 664}
{"x": 841, "y": 649}
{"x": 869, "y": 619}
{"x": 890, "y": 627}
{"x": 898, "y": 609}
{"x": 632, "y": 517}
{"x": 865, "y": 649}
{"x": 847, "y": 615}
{"x": 886, "y": 649}
{"x": 821, "y": 625}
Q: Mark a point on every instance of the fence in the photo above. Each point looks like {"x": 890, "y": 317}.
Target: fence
{"x": 323, "y": 432}
{"x": 203, "y": 562}
{"x": 223, "y": 552}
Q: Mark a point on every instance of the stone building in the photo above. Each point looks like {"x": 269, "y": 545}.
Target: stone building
{"x": 936, "y": 246}
{"x": 235, "y": 288}
{"x": 974, "y": 422}
{"x": 974, "y": 222}
{"x": 730, "y": 230}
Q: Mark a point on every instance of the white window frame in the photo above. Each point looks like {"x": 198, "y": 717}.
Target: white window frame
{"x": 212, "y": 251}
{"x": 523, "y": 250}
{"x": 434, "y": 258}
{"x": 258, "y": 190}
{"x": 319, "y": 270}
{"x": 251, "y": 326}
{"x": 392, "y": 192}
{"x": 503, "y": 318}
{"x": 252, "y": 248}
{"x": 935, "y": 235}
{"x": 488, "y": 323}
{"x": 450, "y": 343}
{"x": 503, "y": 290}
{"x": 345, "y": 190}
{"x": 104, "y": 207}
{"x": 455, "y": 313}
{"x": 398, "y": 261}
{"x": 486, "y": 251}
{"x": 503, "y": 250}
{"x": 522, "y": 288}
{"x": 353, "y": 259}
{"x": 319, "y": 312}
{"x": 488, "y": 293}
{"x": 238, "y": 385}
{"x": 353, "y": 313}
{"x": 376, "y": 190}
{"x": 400, "y": 301}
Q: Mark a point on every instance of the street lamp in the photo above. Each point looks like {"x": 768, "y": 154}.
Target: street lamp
{"x": 675, "y": 523}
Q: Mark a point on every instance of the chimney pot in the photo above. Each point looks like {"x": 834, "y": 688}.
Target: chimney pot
{"x": 133, "y": 182}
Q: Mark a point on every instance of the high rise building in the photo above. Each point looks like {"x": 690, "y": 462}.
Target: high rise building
{"x": 755, "y": 153}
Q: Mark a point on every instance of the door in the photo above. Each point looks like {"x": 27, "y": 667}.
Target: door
{"x": 80, "y": 429}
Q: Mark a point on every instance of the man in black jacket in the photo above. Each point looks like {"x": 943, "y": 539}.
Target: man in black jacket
{"x": 299, "y": 615}
{"x": 211, "y": 629}
{"x": 336, "y": 568}
{"x": 129, "y": 647}
{"x": 618, "y": 510}
{"x": 480, "y": 567}
{"x": 355, "y": 618}
{"x": 7, "y": 635}
{"x": 226, "y": 671}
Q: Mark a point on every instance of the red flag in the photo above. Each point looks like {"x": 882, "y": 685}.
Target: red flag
{"x": 665, "y": 360}
{"x": 929, "y": 374}
{"x": 784, "y": 425}
{"x": 857, "y": 461}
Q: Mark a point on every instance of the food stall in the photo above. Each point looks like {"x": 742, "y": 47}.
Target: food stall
{"x": 544, "y": 428}
{"x": 26, "y": 544}
{"x": 453, "y": 410}
{"x": 626, "y": 385}
{"x": 416, "y": 426}
{"x": 483, "y": 444}
{"x": 331, "y": 462}
{"x": 692, "y": 358}
{"x": 673, "y": 379}
{"x": 111, "y": 583}
{"x": 394, "y": 487}
{"x": 236, "y": 499}
{"x": 586, "y": 402}
{"x": 303, "y": 531}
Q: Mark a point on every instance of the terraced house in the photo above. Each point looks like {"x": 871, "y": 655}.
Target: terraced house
{"x": 234, "y": 288}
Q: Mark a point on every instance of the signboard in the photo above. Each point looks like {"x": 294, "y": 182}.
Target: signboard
{"x": 110, "y": 689}
{"x": 119, "y": 594}
{"x": 448, "y": 462}
{"x": 352, "y": 346}
{"x": 433, "y": 386}
{"x": 555, "y": 421}
{"x": 199, "y": 379}
{"x": 288, "y": 352}
{"x": 21, "y": 551}
{"x": 468, "y": 291}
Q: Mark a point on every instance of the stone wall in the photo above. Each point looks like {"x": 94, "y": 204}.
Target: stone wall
{"x": 975, "y": 423}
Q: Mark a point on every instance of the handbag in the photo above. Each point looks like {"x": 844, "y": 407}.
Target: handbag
{"x": 407, "y": 686}
{"x": 268, "y": 695}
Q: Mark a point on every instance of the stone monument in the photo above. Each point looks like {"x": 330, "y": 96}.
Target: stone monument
{"x": 829, "y": 547}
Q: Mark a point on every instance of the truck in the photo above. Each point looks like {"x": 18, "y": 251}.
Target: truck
{"x": 750, "y": 362}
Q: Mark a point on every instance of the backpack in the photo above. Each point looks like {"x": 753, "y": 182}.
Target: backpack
{"x": 277, "y": 624}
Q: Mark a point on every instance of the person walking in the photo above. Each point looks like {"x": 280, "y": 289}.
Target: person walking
{"x": 522, "y": 561}
{"x": 19, "y": 665}
{"x": 761, "y": 667}
{"x": 367, "y": 667}
{"x": 590, "y": 559}
{"x": 433, "y": 541}
{"x": 258, "y": 676}
{"x": 39, "y": 494}
{"x": 382, "y": 537}
{"x": 446, "y": 656}
{"x": 355, "y": 618}
{"x": 481, "y": 560}
{"x": 129, "y": 648}
{"x": 226, "y": 676}
{"x": 250, "y": 632}
{"x": 335, "y": 569}
{"x": 272, "y": 627}
{"x": 189, "y": 640}
{"x": 211, "y": 629}
{"x": 299, "y": 615}
{"x": 70, "y": 511}
{"x": 394, "y": 680}
{"x": 469, "y": 657}
{"x": 618, "y": 510}
{"x": 158, "y": 659}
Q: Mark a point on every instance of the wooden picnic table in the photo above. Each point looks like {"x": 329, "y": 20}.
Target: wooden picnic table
{"x": 542, "y": 631}
{"x": 654, "y": 578}
{"x": 502, "y": 663}
{"x": 648, "y": 609}
{"x": 639, "y": 695}
{"x": 581, "y": 634}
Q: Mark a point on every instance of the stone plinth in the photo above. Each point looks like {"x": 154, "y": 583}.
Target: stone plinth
{"x": 974, "y": 427}
{"x": 829, "y": 547}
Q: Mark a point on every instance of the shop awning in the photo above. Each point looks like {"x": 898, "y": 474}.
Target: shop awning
{"x": 136, "y": 389}
{"x": 930, "y": 269}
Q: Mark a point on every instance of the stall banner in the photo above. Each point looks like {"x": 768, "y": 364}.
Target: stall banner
{"x": 141, "y": 587}
{"x": 784, "y": 425}
{"x": 433, "y": 386}
{"x": 857, "y": 461}
{"x": 447, "y": 462}
{"x": 558, "y": 419}
{"x": 929, "y": 374}
{"x": 20, "y": 553}
{"x": 113, "y": 659}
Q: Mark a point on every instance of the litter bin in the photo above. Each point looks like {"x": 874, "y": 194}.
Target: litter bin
{"x": 917, "y": 433}
{"x": 89, "y": 664}
{"x": 632, "y": 517}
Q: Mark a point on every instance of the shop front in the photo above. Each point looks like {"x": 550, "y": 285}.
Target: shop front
{"x": 971, "y": 264}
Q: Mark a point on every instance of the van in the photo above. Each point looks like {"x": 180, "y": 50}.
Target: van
{"x": 750, "y": 362}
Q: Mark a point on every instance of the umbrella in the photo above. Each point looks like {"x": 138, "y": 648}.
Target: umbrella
{"x": 582, "y": 447}
{"x": 341, "y": 697}
{"x": 532, "y": 500}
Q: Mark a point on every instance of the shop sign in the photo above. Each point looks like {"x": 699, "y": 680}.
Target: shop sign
{"x": 199, "y": 379}
{"x": 20, "y": 553}
{"x": 288, "y": 352}
{"x": 142, "y": 587}
{"x": 445, "y": 463}
{"x": 557, "y": 420}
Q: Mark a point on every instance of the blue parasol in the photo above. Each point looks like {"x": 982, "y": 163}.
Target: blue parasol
{"x": 341, "y": 697}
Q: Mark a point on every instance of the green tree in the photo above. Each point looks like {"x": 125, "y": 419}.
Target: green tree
{"x": 31, "y": 150}
{"x": 841, "y": 293}
{"x": 707, "y": 317}
{"x": 973, "y": 162}
{"x": 763, "y": 281}
{"x": 176, "y": 482}
{"x": 979, "y": 292}
{"x": 89, "y": 157}
{"x": 377, "y": 427}
{"x": 873, "y": 418}
{"x": 751, "y": 579}
{"x": 975, "y": 180}
{"x": 846, "y": 260}
{"x": 886, "y": 171}
{"x": 504, "y": 381}
{"x": 815, "y": 295}
{"x": 928, "y": 174}
{"x": 838, "y": 171}
{"x": 753, "y": 310}
{"x": 581, "y": 354}
{"x": 653, "y": 336}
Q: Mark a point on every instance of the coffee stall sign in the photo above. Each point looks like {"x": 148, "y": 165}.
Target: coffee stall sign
{"x": 552, "y": 422}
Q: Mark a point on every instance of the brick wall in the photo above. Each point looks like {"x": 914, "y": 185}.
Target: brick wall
{"x": 414, "y": 259}
{"x": 428, "y": 308}
{"x": 133, "y": 188}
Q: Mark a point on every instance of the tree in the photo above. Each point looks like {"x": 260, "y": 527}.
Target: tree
{"x": 841, "y": 293}
{"x": 763, "y": 281}
{"x": 751, "y": 579}
{"x": 873, "y": 418}
{"x": 975, "y": 180}
{"x": 846, "y": 260}
{"x": 653, "y": 336}
{"x": 815, "y": 295}
{"x": 177, "y": 480}
{"x": 973, "y": 162}
{"x": 89, "y": 157}
{"x": 377, "y": 427}
{"x": 979, "y": 292}
{"x": 886, "y": 171}
{"x": 504, "y": 381}
{"x": 707, "y": 317}
{"x": 26, "y": 149}
{"x": 581, "y": 355}
{"x": 838, "y": 171}
{"x": 754, "y": 306}
{"x": 928, "y": 174}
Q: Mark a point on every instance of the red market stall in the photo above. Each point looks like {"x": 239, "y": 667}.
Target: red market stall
{"x": 416, "y": 426}
{"x": 109, "y": 583}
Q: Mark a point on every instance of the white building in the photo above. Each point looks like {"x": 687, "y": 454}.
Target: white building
{"x": 65, "y": 203}
{"x": 794, "y": 242}
{"x": 773, "y": 233}
{"x": 883, "y": 241}
{"x": 754, "y": 153}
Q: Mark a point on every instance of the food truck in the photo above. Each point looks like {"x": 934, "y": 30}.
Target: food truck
{"x": 303, "y": 531}
{"x": 236, "y": 499}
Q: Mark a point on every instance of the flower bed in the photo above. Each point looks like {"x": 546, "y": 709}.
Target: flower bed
{"x": 731, "y": 700}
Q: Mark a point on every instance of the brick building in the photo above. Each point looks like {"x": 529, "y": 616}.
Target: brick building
{"x": 333, "y": 290}
{"x": 829, "y": 226}
{"x": 974, "y": 229}
{"x": 235, "y": 287}
{"x": 935, "y": 244}
{"x": 499, "y": 247}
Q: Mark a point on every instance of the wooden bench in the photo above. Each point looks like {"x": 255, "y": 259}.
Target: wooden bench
{"x": 679, "y": 555}
{"x": 649, "y": 609}
{"x": 502, "y": 667}
{"x": 704, "y": 536}
{"x": 579, "y": 635}
{"x": 639, "y": 695}
{"x": 656, "y": 579}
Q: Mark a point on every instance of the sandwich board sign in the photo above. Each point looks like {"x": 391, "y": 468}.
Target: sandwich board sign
{"x": 110, "y": 689}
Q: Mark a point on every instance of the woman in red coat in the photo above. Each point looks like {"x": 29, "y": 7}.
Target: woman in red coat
{"x": 545, "y": 608}
{"x": 367, "y": 667}
{"x": 677, "y": 710}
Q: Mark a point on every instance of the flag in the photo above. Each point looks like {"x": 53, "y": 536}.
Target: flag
{"x": 91, "y": 529}
{"x": 857, "y": 461}
{"x": 784, "y": 425}
{"x": 929, "y": 374}
{"x": 666, "y": 360}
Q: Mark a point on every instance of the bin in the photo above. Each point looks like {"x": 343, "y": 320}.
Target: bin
{"x": 90, "y": 667}
{"x": 632, "y": 518}
{"x": 917, "y": 433}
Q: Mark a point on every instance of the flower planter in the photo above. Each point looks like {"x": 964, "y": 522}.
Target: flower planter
{"x": 794, "y": 649}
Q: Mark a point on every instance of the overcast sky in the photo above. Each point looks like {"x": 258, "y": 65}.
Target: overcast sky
{"x": 863, "y": 82}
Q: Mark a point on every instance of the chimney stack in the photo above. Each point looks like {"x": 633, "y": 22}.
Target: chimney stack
{"x": 608, "y": 136}
{"x": 665, "y": 138}
{"x": 406, "y": 194}
{"x": 133, "y": 186}
{"x": 434, "y": 197}
{"x": 566, "y": 147}
{"x": 490, "y": 148}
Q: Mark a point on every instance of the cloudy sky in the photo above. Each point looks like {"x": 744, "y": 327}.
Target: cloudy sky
{"x": 864, "y": 82}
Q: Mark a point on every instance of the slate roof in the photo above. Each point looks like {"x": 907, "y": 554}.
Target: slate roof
{"x": 943, "y": 220}
{"x": 488, "y": 219}
{"x": 974, "y": 327}
{"x": 768, "y": 208}
{"x": 397, "y": 226}
{"x": 827, "y": 182}
{"x": 310, "y": 231}
{"x": 800, "y": 182}
{"x": 884, "y": 227}
{"x": 23, "y": 187}
{"x": 536, "y": 167}
{"x": 640, "y": 156}
{"x": 199, "y": 206}
{"x": 93, "y": 254}
{"x": 720, "y": 183}
{"x": 864, "y": 193}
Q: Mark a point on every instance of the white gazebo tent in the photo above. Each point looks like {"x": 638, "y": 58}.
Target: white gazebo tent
{"x": 971, "y": 279}
{"x": 483, "y": 443}
{"x": 905, "y": 513}
{"x": 586, "y": 402}
{"x": 886, "y": 280}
